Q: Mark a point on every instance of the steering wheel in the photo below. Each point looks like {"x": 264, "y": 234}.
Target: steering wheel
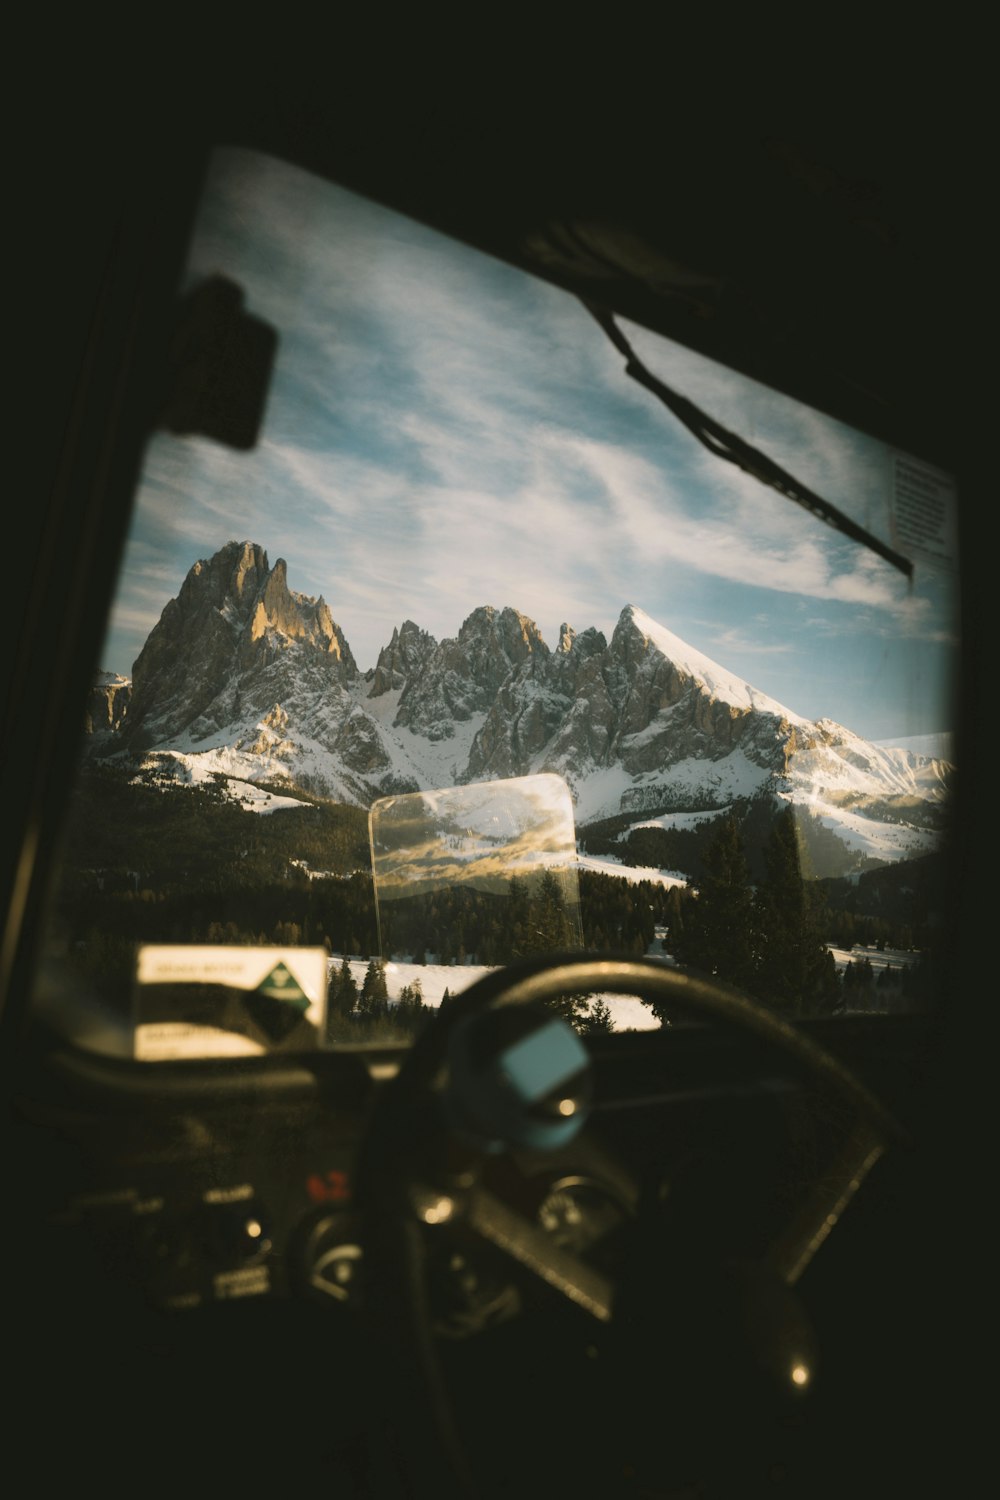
{"x": 421, "y": 1162}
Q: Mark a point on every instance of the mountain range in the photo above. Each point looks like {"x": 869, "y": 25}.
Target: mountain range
{"x": 245, "y": 677}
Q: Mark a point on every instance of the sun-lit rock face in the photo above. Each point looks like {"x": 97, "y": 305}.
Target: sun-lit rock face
{"x": 243, "y": 668}
{"x": 235, "y": 641}
{"x": 107, "y": 704}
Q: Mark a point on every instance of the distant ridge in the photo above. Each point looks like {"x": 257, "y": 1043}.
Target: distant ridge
{"x": 257, "y": 681}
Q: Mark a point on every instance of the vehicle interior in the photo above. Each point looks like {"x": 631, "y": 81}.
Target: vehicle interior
{"x": 733, "y": 1250}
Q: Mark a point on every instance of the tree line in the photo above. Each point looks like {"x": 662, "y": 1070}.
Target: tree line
{"x": 771, "y": 936}
{"x": 147, "y": 864}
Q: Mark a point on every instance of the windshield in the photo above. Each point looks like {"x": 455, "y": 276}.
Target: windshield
{"x": 460, "y": 549}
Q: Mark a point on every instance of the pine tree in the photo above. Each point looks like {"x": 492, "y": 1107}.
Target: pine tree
{"x": 410, "y": 1011}
{"x": 598, "y": 1020}
{"x": 795, "y": 971}
{"x": 345, "y": 994}
{"x": 717, "y": 934}
{"x": 373, "y": 1001}
{"x": 546, "y": 925}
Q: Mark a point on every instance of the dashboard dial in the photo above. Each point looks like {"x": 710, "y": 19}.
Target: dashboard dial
{"x": 583, "y": 1216}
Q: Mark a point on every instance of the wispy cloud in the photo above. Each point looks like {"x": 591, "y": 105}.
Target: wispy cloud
{"x": 443, "y": 431}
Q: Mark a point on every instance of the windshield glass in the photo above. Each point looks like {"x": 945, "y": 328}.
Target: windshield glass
{"x": 464, "y": 549}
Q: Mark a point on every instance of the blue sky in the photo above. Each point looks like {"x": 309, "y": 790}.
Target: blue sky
{"x": 444, "y": 431}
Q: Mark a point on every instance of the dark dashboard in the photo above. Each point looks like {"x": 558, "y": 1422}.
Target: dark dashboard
{"x": 197, "y": 1183}
{"x": 203, "y": 1238}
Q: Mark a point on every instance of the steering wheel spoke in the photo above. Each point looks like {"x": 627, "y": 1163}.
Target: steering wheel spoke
{"x": 531, "y": 1246}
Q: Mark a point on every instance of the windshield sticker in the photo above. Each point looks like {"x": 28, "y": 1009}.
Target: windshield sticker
{"x": 194, "y": 1001}
{"x": 923, "y": 509}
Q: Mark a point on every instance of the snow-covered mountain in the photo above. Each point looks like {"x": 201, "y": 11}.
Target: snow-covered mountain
{"x": 244, "y": 676}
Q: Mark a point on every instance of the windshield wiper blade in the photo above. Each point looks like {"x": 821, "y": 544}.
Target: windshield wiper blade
{"x": 728, "y": 445}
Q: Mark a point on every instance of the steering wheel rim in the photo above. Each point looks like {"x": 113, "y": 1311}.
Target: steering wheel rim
{"x": 392, "y": 1180}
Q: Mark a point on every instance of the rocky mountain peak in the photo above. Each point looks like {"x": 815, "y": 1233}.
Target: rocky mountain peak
{"x": 507, "y": 630}
{"x": 402, "y": 659}
{"x": 462, "y": 675}
{"x": 281, "y": 616}
{"x": 234, "y": 621}
{"x": 242, "y": 666}
{"x": 232, "y": 577}
{"x": 631, "y": 638}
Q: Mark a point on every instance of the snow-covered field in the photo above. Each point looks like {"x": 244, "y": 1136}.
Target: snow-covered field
{"x": 888, "y": 958}
{"x": 606, "y": 864}
{"x": 627, "y": 1011}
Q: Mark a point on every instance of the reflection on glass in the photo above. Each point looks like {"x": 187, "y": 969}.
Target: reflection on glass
{"x": 480, "y": 874}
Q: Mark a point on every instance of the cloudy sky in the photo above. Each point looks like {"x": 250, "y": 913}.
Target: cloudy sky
{"x": 444, "y": 431}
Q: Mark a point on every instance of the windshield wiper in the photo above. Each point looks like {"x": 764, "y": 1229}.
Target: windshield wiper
{"x": 725, "y": 444}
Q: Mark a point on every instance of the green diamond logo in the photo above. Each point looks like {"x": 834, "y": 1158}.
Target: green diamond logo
{"x": 278, "y": 1003}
